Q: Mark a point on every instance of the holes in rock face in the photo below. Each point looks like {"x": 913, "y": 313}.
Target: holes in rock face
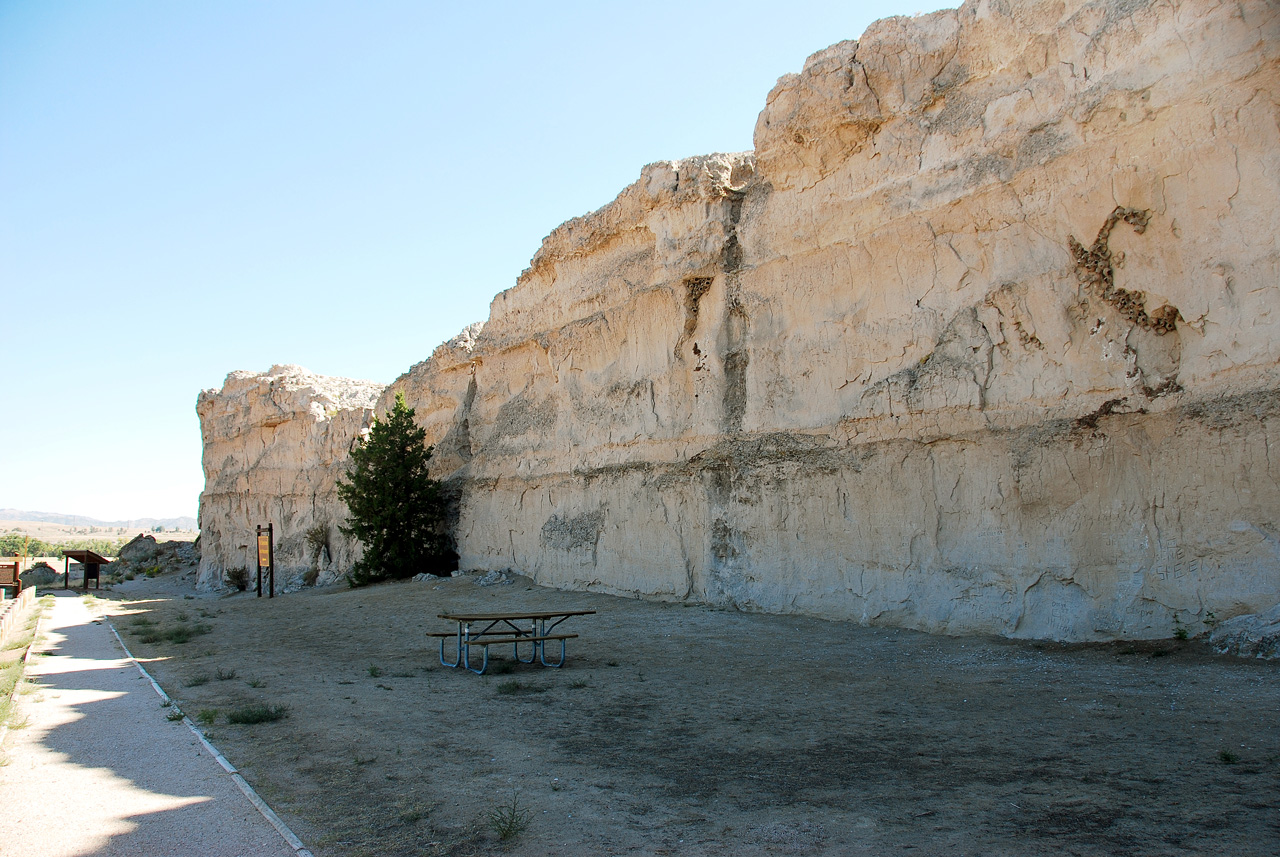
{"x": 1095, "y": 270}
{"x": 694, "y": 289}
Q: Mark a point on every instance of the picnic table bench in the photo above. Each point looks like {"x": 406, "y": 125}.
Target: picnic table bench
{"x": 533, "y": 628}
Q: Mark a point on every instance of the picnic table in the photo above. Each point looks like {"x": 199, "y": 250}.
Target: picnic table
{"x": 532, "y": 628}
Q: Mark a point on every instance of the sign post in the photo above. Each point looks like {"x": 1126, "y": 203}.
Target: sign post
{"x": 267, "y": 559}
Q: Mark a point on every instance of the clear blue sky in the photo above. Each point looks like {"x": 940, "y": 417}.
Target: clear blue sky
{"x": 187, "y": 189}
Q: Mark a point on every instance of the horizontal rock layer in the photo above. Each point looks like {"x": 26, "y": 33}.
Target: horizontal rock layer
{"x": 981, "y": 338}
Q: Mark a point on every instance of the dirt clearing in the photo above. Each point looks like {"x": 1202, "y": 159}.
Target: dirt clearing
{"x": 695, "y": 731}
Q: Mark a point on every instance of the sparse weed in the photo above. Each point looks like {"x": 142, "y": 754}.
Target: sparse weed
{"x": 197, "y": 680}
{"x": 10, "y": 675}
{"x": 374, "y": 671}
{"x": 255, "y": 682}
{"x": 509, "y": 820}
{"x": 208, "y": 716}
{"x": 174, "y": 716}
{"x": 257, "y": 713}
{"x": 1226, "y": 757}
{"x": 224, "y": 675}
{"x": 178, "y": 635}
{"x": 21, "y": 641}
{"x": 579, "y": 684}
{"x": 184, "y": 633}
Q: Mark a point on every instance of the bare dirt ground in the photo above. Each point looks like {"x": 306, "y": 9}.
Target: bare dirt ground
{"x": 695, "y": 731}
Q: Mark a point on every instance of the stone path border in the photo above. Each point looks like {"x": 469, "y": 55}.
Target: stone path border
{"x": 267, "y": 812}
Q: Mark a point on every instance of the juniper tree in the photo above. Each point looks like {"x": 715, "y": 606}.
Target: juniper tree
{"x": 396, "y": 508}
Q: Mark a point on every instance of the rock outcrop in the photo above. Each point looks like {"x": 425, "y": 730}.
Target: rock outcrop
{"x": 274, "y": 446}
{"x": 983, "y": 337}
{"x": 143, "y": 553}
{"x": 1251, "y": 636}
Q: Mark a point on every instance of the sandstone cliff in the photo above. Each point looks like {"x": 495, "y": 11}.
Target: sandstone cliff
{"x": 274, "y": 444}
{"x": 983, "y": 337}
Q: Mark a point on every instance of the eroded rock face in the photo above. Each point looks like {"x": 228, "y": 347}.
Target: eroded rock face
{"x": 274, "y": 445}
{"x": 983, "y": 337}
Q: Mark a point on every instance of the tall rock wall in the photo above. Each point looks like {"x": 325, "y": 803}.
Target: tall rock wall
{"x": 983, "y": 337}
{"x": 274, "y": 445}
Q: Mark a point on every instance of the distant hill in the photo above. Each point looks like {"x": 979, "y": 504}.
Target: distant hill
{"x": 183, "y": 523}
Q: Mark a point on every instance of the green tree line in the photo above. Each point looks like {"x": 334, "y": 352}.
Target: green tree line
{"x": 15, "y": 543}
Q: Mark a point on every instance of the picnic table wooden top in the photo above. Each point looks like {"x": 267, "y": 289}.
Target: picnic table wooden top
{"x": 499, "y": 617}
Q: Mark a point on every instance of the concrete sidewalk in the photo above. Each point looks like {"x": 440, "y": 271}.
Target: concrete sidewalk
{"x": 99, "y": 770}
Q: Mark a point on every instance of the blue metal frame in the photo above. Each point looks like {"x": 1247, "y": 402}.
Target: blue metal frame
{"x": 538, "y": 628}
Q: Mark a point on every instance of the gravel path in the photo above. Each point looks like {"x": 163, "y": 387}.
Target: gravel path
{"x": 98, "y": 769}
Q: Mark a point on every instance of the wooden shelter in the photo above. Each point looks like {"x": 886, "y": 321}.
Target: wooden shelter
{"x": 92, "y": 563}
